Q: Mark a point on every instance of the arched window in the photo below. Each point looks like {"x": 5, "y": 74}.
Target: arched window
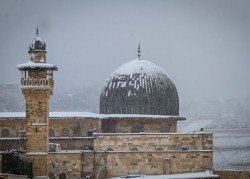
{"x": 62, "y": 176}
{"x": 64, "y": 132}
{"x": 77, "y": 131}
{"x": 51, "y": 132}
{"x": 137, "y": 128}
{"x": 51, "y": 175}
{"x": 5, "y": 133}
{"x": 134, "y": 149}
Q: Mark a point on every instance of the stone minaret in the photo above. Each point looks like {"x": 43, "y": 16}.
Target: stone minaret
{"x": 37, "y": 87}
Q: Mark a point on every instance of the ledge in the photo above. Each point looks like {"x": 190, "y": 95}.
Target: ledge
{"x": 145, "y": 133}
{"x": 69, "y": 138}
{"x": 39, "y": 124}
{"x": 36, "y": 153}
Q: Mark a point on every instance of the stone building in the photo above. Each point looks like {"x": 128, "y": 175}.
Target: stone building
{"x": 135, "y": 132}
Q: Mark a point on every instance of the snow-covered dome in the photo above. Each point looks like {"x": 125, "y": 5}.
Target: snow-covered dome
{"x": 139, "y": 87}
{"x": 37, "y": 44}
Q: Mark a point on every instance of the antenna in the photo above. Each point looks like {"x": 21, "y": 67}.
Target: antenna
{"x": 139, "y": 51}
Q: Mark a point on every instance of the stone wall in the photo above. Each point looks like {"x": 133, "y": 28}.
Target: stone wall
{"x": 37, "y": 118}
{"x": 69, "y": 164}
{"x": 157, "y": 162}
{"x": 57, "y": 127}
{"x": 11, "y": 126}
{"x": 77, "y": 164}
{"x": 155, "y": 153}
{"x": 7, "y": 144}
{"x": 37, "y": 122}
{"x": 85, "y": 126}
{"x": 73, "y": 143}
{"x": 73, "y": 127}
{"x": 136, "y": 124}
{"x": 74, "y": 164}
{"x": 153, "y": 141}
{"x": 40, "y": 163}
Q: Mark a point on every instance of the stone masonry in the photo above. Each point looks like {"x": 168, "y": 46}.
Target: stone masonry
{"x": 37, "y": 121}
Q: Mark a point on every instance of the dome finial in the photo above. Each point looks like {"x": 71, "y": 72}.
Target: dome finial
{"x": 37, "y": 44}
{"x": 139, "y": 51}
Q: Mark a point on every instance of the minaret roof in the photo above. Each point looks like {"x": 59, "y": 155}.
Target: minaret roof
{"x": 37, "y": 44}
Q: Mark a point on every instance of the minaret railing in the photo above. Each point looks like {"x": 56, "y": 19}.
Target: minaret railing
{"x": 30, "y": 82}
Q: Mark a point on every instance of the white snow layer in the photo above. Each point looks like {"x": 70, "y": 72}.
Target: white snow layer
{"x": 31, "y": 64}
{"x": 5, "y": 115}
{"x": 179, "y": 176}
{"x": 139, "y": 73}
{"x": 136, "y": 66}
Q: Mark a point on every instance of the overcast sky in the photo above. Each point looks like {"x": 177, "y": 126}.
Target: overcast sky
{"x": 204, "y": 45}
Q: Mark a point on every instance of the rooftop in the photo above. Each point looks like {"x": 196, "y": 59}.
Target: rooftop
{"x": 63, "y": 115}
{"x": 197, "y": 175}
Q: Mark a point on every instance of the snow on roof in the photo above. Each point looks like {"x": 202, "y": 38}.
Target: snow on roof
{"x": 36, "y": 153}
{"x": 70, "y": 152}
{"x": 5, "y": 115}
{"x": 136, "y": 65}
{"x": 31, "y": 64}
{"x": 107, "y": 116}
{"x": 70, "y": 138}
{"x": 73, "y": 115}
{"x": 145, "y": 133}
{"x": 179, "y": 176}
{"x": 12, "y": 115}
{"x": 9, "y": 138}
{"x": 135, "y": 86}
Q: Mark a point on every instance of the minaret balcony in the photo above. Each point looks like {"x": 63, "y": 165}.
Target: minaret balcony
{"x": 31, "y": 82}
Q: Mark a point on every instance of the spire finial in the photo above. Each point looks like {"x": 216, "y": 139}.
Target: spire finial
{"x": 37, "y": 31}
{"x": 139, "y": 51}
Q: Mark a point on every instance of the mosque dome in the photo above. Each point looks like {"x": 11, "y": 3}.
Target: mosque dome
{"x": 139, "y": 87}
{"x": 37, "y": 44}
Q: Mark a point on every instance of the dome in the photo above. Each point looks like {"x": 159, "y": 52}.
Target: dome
{"x": 37, "y": 44}
{"x": 139, "y": 87}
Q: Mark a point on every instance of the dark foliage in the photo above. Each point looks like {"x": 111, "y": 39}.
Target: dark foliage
{"x": 14, "y": 163}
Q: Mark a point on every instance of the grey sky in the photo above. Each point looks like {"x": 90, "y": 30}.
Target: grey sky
{"x": 203, "y": 45}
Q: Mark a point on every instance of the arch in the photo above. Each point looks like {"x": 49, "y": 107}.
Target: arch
{"x": 5, "y": 133}
{"x": 62, "y": 176}
{"x": 159, "y": 149}
{"x": 51, "y": 132}
{"x": 51, "y": 175}
{"x": 64, "y": 132}
{"x": 77, "y": 131}
{"x": 137, "y": 128}
{"x": 134, "y": 149}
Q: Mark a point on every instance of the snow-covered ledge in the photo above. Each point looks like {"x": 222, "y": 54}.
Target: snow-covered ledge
{"x": 36, "y": 153}
{"x": 36, "y": 65}
{"x": 39, "y": 124}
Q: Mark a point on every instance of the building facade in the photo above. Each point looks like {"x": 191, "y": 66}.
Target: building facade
{"x": 135, "y": 132}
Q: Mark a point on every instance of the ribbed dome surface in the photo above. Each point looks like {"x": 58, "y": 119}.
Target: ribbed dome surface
{"x": 37, "y": 44}
{"x": 139, "y": 87}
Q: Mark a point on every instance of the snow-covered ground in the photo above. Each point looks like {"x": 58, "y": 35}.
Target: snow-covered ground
{"x": 232, "y": 148}
{"x": 231, "y": 145}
